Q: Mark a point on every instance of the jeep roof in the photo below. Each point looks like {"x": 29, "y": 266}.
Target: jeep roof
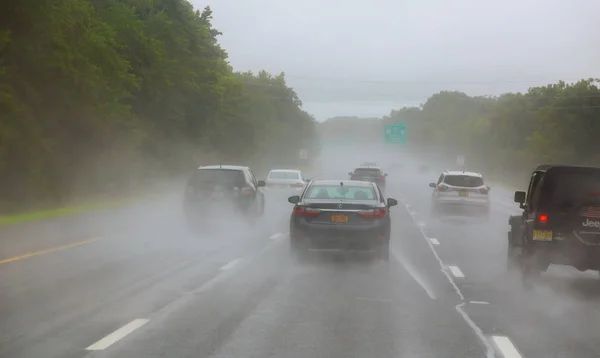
{"x": 564, "y": 184}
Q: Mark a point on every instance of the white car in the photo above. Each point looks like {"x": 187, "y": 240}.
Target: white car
{"x": 286, "y": 181}
{"x": 460, "y": 192}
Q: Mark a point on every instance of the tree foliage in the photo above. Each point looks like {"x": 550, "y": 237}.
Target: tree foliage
{"x": 98, "y": 94}
{"x": 507, "y": 135}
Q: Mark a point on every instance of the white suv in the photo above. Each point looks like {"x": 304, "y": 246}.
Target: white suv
{"x": 459, "y": 191}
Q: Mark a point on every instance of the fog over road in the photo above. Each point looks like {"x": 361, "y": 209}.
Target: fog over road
{"x": 136, "y": 283}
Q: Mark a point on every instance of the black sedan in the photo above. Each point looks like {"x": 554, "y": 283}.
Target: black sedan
{"x": 345, "y": 215}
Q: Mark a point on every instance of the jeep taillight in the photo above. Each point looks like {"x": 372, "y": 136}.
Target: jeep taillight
{"x": 542, "y": 218}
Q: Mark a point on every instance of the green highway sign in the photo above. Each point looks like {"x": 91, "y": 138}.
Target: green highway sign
{"x": 395, "y": 133}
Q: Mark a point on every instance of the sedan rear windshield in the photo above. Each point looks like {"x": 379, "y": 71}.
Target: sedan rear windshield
{"x": 339, "y": 192}
{"x": 283, "y": 175}
{"x": 367, "y": 171}
{"x": 224, "y": 177}
{"x": 465, "y": 181}
{"x": 565, "y": 191}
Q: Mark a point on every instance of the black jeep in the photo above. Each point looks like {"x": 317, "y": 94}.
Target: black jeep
{"x": 560, "y": 223}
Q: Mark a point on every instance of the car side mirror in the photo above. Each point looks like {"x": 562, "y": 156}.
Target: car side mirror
{"x": 391, "y": 202}
{"x": 432, "y": 185}
{"x": 350, "y": 173}
{"x": 385, "y": 175}
{"x": 294, "y": 199}
{"x": 520, "y": 197}
{"x": 261, "y": 183}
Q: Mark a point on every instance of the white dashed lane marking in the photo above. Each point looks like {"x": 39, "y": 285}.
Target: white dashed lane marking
{"x": 117, "y": 335}
{"x": 506, "y": 347}
{"x": 456, "y": 271}
{"x": 276, "y": 236}
{"x": 231, "y": 264}
{"x": 434, "y": 241}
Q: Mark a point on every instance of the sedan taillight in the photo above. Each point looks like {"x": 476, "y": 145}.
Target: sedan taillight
{"x": 247, "y": 191}
{"x": 304, "y": 211}
{"x": 442, "y": 187}
{"x": 375, "y": 213}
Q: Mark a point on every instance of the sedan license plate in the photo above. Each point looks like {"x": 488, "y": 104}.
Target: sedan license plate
{"x": 463, "y": 193}
{"x": 339, "y": 219}
{"x": 542, "y": 235}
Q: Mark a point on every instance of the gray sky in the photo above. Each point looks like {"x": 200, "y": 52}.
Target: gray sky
{"x": 349, "y": 57}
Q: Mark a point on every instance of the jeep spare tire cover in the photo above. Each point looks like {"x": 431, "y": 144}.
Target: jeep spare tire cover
{"x": 588, "y": 228}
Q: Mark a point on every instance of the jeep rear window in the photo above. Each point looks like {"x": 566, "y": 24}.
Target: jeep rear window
{"x": 565, "y": 190}
{"x": 465, "y": 181}
{"x": 227, "y": 178}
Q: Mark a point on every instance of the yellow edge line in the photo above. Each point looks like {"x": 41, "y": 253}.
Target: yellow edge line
{"x": 47, "y": 251}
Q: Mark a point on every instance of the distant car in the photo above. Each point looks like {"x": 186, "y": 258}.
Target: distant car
{"x": 340, "y": 215}
{"x": 371, "y": 174}
{"x": 286, "y": 180}
{"x": 560, "y": 223}
{"x": 460, "y": 192}
{"x": 222, "y": 190}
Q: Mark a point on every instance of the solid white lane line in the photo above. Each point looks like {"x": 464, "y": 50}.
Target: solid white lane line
{"x": 456, "y": 271}
{"x": 231, "y": 264}
{"x": 415, "y": 275}
{"x": 434, "y": 241}
{"x": 506, "y": 347}
{"x": 479, "y": 302}
{"x": 117, "y": 335}
{"x": 459, "y": 308}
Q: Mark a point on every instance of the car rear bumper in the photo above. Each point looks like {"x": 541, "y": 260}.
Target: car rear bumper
{"x": 354, "y": 238}
{"x": 467, "y": 205}
{"x": 568, "y": 251}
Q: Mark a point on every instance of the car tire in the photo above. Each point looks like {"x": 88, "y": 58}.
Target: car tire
{"x": 384, "y": 253}
{"x": 435, "y": 209}
{"x": 512, "y": 257}
{"x": 298, "y": 254}
{"x": 261, "y": 210}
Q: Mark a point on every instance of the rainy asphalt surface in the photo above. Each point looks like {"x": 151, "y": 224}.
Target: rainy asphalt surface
{"x": 136, "y": 283}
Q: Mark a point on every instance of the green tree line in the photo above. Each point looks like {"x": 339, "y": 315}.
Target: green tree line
{"x": 99, "y": 95}
{"x": 508, "y": 135}
{"x": 504, "y": 136}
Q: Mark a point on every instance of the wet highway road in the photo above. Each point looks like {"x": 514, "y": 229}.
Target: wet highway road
{"x": 136, "y": 283}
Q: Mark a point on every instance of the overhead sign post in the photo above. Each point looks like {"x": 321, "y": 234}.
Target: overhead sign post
{"x": 395, "y": 133}
{"x": 303, "y": 153}
{"x": 460, "y": 161}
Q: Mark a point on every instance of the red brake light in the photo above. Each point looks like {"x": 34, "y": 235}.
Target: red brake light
{"x": 354, "y": 177}
{"x": 442, "y": 187}
{"x": 484, "y": 190}
{"x": 304, "y": 211}
{"x": 381, "y": 178}
{"x": 543, "y": 218}
{"x": 247, "y": 191}
{"x": 376, "y": 213}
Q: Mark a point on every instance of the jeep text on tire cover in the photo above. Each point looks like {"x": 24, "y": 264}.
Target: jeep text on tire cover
{"x": 590, "y": 223}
